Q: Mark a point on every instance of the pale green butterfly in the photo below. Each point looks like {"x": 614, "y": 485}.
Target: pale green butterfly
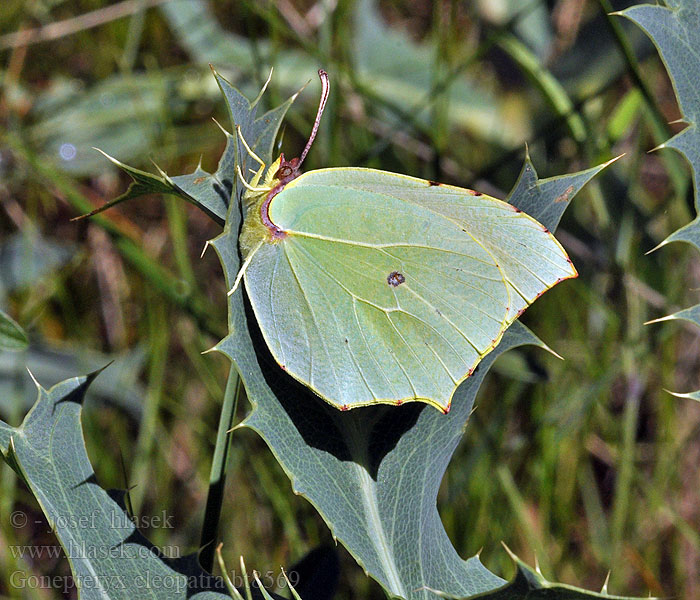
{"x": 371, "y": 287}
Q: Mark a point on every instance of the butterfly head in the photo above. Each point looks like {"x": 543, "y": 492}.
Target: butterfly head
{"x": 288, "y": 169}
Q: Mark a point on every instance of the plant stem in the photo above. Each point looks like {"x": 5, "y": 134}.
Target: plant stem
{"x": 217, "y": 477}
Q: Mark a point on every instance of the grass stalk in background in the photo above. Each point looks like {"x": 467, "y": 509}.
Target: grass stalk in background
{"x": 217, "y": 478}
{"x": 159, "y": 339}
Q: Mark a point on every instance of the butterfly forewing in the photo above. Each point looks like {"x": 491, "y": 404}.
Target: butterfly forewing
{"x": 530, "y": 257}
{"x": 371, "y": 297}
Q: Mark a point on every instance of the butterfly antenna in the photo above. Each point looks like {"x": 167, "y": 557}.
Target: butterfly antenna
{"x": 325, "y": 90}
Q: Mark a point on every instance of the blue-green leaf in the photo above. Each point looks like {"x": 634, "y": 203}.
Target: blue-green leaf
{"x": 109, "y": 557}
{"x": 674, "y": 31}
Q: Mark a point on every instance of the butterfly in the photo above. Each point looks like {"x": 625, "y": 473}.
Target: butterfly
{"x": 373, "y": 287}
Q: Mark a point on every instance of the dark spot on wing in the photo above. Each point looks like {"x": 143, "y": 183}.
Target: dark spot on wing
{"x": 395, "y": 279}
{"x": 478, "y": 194}
{"x": 431, "y": 183}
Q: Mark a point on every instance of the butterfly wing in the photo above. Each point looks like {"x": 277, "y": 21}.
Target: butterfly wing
{"x": 531, "y": 258}
{"x": 380, "y": 293}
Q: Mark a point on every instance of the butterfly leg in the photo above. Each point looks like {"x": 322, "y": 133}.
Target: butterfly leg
{"x": 246, "y": 185}
{"x": 246, "y": 262}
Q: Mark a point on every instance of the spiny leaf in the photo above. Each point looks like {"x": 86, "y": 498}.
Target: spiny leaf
{"x": 200, "y": 188}
{"x": 547, "y": 199}
{"x": 692, "y": 315}
{"x": 529, "y": 584}
{"x": 674, "y": 31}
{"x": 212, "y": 192}
{"x": 143, "y": 183}
{"x": 109, "y": 557}
{"x": 258, "y": 132}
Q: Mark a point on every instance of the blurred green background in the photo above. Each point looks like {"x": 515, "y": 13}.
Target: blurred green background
{"x": 587, "y": 465}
